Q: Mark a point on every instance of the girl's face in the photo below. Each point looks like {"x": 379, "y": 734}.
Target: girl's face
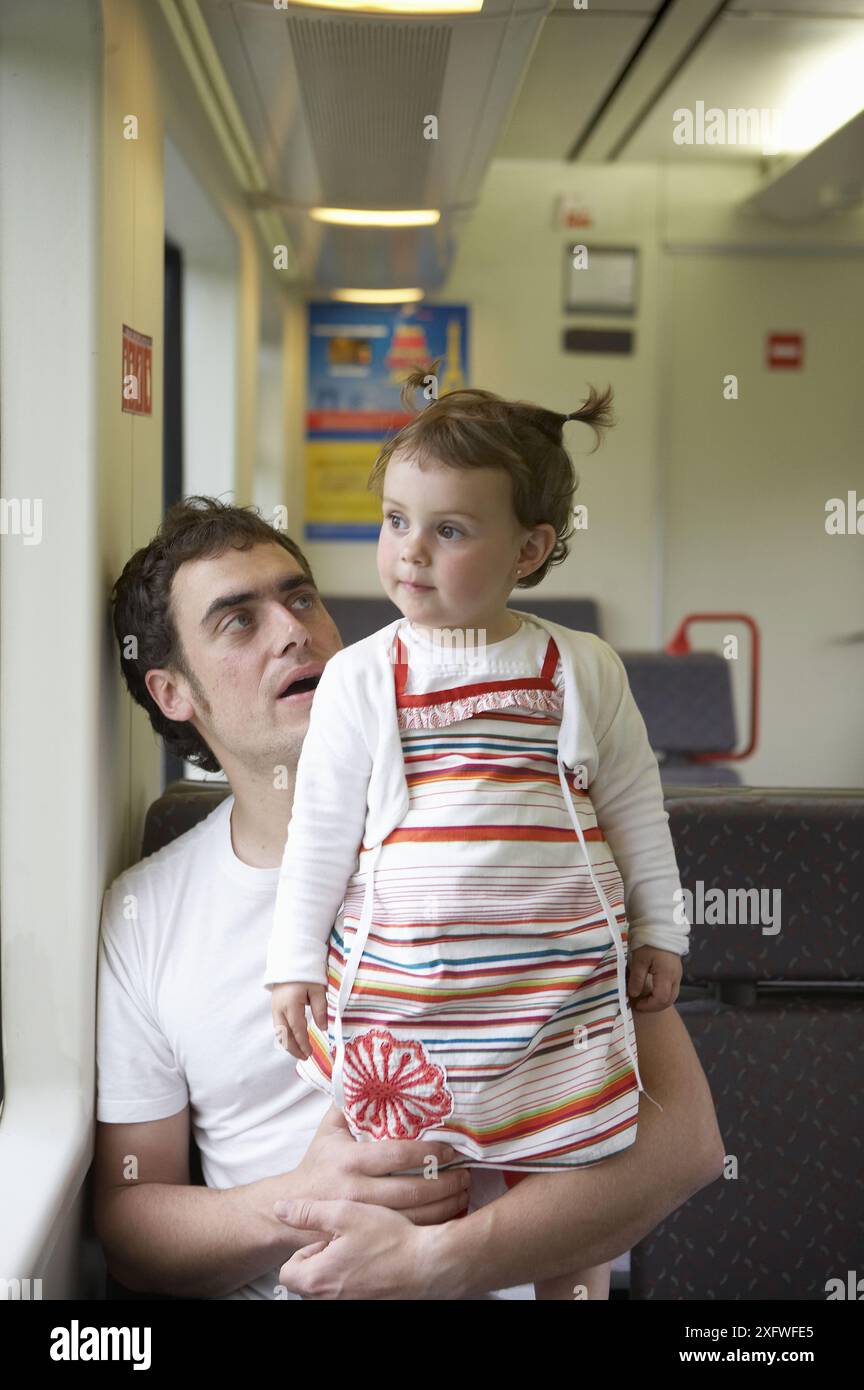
{"x": 453, "y": 532}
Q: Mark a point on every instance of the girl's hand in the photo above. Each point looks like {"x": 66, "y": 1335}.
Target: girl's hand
{"x": 665, "y": 971}
{"x": 288, "y": 1004}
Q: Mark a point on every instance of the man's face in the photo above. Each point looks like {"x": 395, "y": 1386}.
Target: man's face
{"x": 250, "y": 624}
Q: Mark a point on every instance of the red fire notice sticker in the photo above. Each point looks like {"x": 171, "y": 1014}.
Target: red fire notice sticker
{"x": 785, "y": 350}
{"x": 137, "y": 372}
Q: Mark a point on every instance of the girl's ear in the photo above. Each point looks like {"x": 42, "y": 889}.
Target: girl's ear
{"x": 538, "y": 546}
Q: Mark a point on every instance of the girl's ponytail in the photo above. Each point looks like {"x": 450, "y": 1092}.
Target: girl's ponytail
{"x": 596, "y": 412}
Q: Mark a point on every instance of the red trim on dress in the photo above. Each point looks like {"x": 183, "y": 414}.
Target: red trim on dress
{"x": 436, "y": 697}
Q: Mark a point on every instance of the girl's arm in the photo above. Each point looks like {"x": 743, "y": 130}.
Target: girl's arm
{"x": 627, "y": 795}
{"x": 324, "y": 834}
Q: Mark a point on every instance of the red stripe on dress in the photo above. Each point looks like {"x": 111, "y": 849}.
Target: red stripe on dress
{"x": 436, "y": 697}
{"x": 493, "y": 758}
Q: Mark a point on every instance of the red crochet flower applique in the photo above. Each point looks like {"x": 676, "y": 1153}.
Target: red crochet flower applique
{"x": 392, "y": 1089}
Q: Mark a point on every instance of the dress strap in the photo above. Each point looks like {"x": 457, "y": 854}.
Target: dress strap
{"x": 399, "y": 657}
{"x": 550, "y": 661}
{"x": 615, "y": 929}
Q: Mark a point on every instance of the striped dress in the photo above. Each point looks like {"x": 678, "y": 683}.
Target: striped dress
{"x": 475, "y": 985}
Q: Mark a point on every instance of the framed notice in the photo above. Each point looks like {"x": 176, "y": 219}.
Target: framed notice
{"x": 600, "y": 279}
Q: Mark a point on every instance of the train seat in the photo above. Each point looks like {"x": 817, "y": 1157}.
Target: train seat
{"x": 774, "y": 1012}
{"x": 687, "y": 704}
{"x": 180, "y": 807}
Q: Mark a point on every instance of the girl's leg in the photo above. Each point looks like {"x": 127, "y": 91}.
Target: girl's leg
{"x": 583, "y": 1285}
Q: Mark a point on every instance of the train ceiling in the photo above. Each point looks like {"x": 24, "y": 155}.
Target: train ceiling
{"x": 328, "y": 108}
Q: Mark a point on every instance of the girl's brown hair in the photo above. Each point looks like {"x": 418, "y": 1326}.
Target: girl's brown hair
{"x": 477, "y": 429}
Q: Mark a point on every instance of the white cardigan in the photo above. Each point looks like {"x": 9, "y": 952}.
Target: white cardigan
{"x": 351, "y": 778}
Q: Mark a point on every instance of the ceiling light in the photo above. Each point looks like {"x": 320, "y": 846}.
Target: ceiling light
{"x": 378, "y": 296}
{"x": 821, "y": 97}
{"x": 381, "y": 217}
{"x": 427, "y": 7}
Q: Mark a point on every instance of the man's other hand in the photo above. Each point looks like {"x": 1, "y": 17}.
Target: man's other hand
{"x": 367, "y": 1252}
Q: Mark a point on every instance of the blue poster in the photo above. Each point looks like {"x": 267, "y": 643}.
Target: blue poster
{"x": 359, "y": 356}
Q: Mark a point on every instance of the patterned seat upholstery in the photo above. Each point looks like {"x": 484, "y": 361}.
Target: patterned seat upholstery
{"x": 686, "y": 701}
{"x": 779, "y": 1030}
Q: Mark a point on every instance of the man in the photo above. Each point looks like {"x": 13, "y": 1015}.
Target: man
{"x": 230, "y": 635}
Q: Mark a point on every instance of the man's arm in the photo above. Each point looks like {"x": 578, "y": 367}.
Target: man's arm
{"x": 546, "y": 1226}
{"x": 161, "y": 1235}
{"x": 550, "y": 1222}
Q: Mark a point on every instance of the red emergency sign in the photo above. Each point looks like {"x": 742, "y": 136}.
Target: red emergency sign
{"x": 785, "y": 350}
{"x": 136, "y": 394}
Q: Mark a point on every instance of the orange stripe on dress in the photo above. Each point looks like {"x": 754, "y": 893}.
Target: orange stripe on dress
{"x": 490, "y": 832}
{"x": 474, "y": 772}
{"x": 319, "y": 1056}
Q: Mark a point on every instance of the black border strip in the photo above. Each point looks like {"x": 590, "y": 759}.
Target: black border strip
{"x": 610, "y": 96}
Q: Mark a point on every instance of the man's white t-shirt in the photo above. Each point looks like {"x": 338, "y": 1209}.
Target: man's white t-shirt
{"x": 183, "y": 1018}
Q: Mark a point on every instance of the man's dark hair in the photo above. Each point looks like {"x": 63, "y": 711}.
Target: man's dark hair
{"x": 198, "y": 528}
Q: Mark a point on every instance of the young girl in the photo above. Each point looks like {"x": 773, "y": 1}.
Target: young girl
{"x": 474, "y": 784}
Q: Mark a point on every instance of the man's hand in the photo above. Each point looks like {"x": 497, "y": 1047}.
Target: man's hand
{"x": 664, "y": 969}
{"x": 288, "y": 1006}
{"x": 338, "y": 1168}
{"x": 367, "y": 1253}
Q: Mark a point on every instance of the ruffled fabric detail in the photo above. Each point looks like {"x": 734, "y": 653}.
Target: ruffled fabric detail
{"x": 438, "y": 716}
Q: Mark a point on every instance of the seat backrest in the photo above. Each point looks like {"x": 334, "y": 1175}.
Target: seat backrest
{"x": 357, "y": 618}
{"x": 580, "y": 614}
{"x": 181, "y": 806}
{"x": 686, "y": 701}
{"x": 745, "y": 844}
{"x": 776, "y": 878}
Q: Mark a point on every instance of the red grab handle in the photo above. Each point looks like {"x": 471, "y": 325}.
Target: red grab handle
{"x": 680, "y": 646}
